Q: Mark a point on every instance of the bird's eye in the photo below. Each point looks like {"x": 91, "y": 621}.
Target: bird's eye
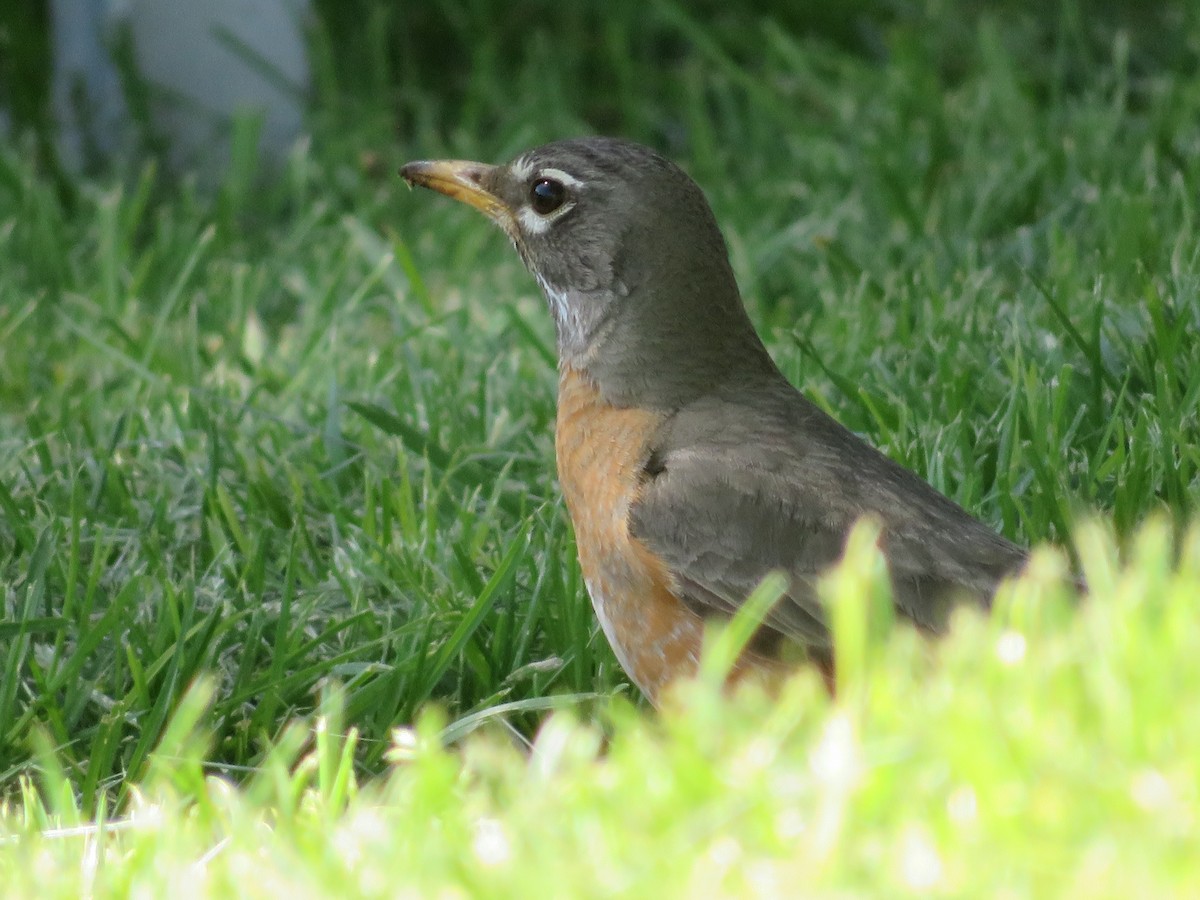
{"x": 546, "y": 196}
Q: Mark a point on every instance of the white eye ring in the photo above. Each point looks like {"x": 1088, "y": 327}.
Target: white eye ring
{"x": 533, "y": 222}
{"x": 563, "y": 178}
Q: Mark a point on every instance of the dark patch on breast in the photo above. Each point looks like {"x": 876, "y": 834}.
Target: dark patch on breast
{"x": 654, "y": 466}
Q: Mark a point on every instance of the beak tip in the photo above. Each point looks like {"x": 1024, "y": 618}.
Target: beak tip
{"x": 408, "y": 172}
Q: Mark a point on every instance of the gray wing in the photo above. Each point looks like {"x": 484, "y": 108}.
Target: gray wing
{"x": 730, "y": 498}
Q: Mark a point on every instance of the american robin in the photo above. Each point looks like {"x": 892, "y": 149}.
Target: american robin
{"x": 691, "y": 467}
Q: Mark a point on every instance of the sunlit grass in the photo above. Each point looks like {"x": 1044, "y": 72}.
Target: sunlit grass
{"x": 1045, "y": 751}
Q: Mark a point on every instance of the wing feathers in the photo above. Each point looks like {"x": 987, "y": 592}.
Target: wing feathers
{"x": 723, "y": 509}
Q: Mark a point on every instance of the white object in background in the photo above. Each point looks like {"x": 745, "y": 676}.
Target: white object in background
{"x": 204, "y": 63}
{"x": 88, "y": 105}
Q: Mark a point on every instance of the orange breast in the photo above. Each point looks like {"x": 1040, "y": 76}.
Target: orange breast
{"x": 601, "y": 450}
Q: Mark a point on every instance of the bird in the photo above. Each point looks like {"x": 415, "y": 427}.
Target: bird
{"x": 690, "y": 466}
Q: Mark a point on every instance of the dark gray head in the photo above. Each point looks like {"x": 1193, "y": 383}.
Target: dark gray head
{"x": 629, "y": 256}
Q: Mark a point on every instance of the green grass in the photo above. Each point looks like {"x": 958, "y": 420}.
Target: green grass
{"x": 271, "y": 440}
{"x": 1046, "y": 751}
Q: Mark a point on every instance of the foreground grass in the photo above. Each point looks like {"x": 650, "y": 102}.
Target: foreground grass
{"x": 298, "y": 433}
{"x": 1046, "y": 751}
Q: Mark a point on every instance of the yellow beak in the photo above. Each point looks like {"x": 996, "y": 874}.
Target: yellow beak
{"x": 463, "y": 180}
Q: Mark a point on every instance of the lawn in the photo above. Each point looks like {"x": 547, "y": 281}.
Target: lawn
{"x": 290, "y": 602}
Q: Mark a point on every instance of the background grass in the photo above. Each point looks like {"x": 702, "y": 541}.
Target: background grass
{"x": 296, "y": 431}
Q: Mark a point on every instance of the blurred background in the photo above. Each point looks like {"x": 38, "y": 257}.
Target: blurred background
{"x": 103, "y": 80}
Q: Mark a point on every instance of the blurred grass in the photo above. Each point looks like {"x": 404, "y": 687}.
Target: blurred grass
{"x": 1046, "y": 751}
{"x": 298, "y": 431}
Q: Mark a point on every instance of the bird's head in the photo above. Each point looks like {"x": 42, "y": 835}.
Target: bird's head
{"x": 624, "y": 246}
